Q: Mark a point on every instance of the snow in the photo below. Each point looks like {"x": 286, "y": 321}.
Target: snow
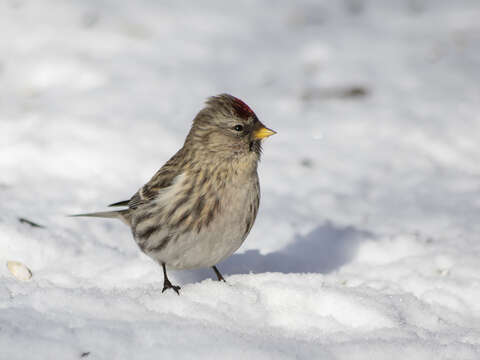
{"x": 366, "y": 244}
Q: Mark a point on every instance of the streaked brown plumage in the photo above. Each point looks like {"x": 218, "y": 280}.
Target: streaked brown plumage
{"x": 200, "y": 206}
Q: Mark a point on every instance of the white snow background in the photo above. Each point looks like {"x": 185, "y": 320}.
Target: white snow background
{"x": 366, "y": 245}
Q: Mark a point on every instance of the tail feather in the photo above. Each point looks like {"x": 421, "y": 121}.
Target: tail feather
{"x": 121, "y": 215}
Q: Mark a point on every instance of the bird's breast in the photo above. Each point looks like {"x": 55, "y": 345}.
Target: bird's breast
{"x": 199, "y": 223}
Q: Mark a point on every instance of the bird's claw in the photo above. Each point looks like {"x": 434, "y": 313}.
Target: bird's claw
{"x": 168, "y": 285}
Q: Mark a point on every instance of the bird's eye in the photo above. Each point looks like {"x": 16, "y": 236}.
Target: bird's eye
{"x": 238, "y": 128}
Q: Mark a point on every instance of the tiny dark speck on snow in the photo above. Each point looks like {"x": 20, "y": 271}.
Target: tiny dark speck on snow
{"x": 29, "y": 222}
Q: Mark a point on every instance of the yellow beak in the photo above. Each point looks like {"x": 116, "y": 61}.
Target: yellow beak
{"x": 262, "y": 132}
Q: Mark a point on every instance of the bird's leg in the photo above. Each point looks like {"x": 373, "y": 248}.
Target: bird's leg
{"x": 219, "y": 276}
{"x": 166, "y": 283}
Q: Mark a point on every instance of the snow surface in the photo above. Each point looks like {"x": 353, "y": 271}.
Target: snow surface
{"x": 367, "y": 241}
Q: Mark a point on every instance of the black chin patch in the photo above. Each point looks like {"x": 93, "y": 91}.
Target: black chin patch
{"x": 256, "y": 146}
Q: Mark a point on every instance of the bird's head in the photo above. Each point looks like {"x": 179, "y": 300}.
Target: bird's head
{"x": 228, "y": 126}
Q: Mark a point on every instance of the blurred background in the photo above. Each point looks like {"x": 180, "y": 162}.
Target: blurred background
{"x": 366, "y": 242}
{"x": 376, "y": 104}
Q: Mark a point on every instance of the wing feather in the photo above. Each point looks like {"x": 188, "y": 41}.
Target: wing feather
{"x": 161, "y": 180}
{"x": 120, "y": 203}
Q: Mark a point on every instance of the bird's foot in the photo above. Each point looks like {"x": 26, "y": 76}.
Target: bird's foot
{"x": 219, "y": 276}
{"x": 168, "y": 285}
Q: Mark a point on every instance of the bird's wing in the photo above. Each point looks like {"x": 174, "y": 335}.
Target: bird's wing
{"x": 161, "y": 180}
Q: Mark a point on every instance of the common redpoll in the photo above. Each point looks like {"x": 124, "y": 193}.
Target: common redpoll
{"x": 200, "y": 206}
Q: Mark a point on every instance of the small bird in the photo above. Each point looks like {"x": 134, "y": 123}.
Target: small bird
{"x": 199, "y": 207}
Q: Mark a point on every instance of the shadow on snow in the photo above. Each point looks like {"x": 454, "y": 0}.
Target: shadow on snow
{"x": 323, "y": 250}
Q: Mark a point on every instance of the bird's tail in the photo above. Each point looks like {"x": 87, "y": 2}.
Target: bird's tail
{"x": 120, "y": 214}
